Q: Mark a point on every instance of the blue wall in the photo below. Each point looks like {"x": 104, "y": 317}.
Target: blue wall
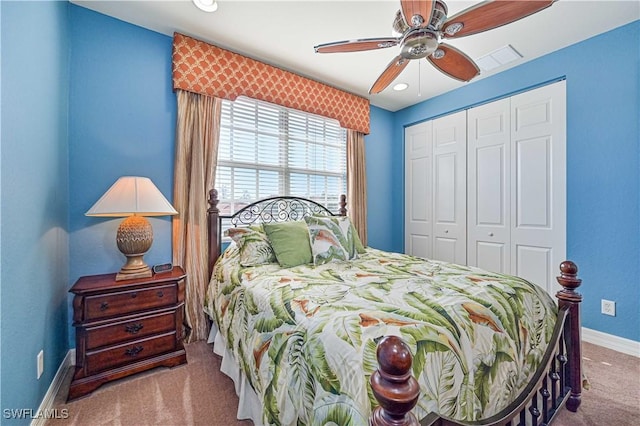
{"x": 71, "y": 125}
{"x": 603, "y": 162}
{"x": 122, "y": 122}
{"x": 384, "y": 200}
{"x": 34, "y": 188}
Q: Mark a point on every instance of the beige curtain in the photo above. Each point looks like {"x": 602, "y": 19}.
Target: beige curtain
{"x": 197, "y": 135}
{"x": 357, "y": 183}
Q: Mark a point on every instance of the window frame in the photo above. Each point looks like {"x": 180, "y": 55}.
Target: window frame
{"x": 285, "y": 140}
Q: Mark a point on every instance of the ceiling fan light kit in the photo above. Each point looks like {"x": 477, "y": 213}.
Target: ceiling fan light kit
{"x": 422, "y": 25}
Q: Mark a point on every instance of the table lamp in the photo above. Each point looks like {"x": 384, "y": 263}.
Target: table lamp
{"x": 133, "y": 197}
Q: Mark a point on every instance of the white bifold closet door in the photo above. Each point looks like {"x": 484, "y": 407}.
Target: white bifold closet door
{"x": 489, "y": 196}
{"x": 435, "y": 189}
{"x": 487, "y": 186}
{"x": 517, "y": 185}
{"x": 418, "y": 210}
{"x": 450, "y": 188}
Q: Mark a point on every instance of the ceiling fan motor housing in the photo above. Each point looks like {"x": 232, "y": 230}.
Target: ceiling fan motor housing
{"x": 419, "y": 44}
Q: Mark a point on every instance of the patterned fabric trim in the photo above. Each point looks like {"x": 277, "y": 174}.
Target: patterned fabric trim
{"x": 203, "y": 68}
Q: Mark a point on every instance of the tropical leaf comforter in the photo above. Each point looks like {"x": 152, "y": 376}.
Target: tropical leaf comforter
{"x": 305, "y": 337}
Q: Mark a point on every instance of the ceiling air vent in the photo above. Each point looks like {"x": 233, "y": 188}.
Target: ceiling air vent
{"x": 498, "y": 58}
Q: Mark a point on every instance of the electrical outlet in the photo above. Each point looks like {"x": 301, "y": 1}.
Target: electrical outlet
{"x": 608, "y": 307}
{"x": 40, "y": 363}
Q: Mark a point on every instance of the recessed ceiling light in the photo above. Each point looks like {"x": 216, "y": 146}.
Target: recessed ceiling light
{"x": 400, "y": 86}
{"x": 206, "y": 5}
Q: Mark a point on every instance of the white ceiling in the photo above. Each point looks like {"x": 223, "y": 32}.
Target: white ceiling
{"x": 283, "y": 33}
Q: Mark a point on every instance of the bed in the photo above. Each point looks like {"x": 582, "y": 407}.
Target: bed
{"x": 365, "y": 336}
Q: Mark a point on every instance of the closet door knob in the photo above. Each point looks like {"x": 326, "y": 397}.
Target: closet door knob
{"x": 446, "y": 231}
{"x": 491, "y": 234}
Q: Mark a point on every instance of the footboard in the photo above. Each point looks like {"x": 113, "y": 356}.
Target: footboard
{"x": 556, "y": 382}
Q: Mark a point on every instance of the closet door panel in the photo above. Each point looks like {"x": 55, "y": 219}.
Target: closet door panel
{"x": 534, "y": 263}
{"x": 489, "y": 221}
{"x": 449, "y": 188}
{"x": 490, "y": 186}
{"x": 538, "y": 184}
{"x": 533, "y": 184}
{"x": 418, "y": 194}
{"x": 420, "y": 246}
{"x": 491, "y": 255}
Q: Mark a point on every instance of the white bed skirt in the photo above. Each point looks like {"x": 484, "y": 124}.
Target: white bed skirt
{"x": 249, "y": 406}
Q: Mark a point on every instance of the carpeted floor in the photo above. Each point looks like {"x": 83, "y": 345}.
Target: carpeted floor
{"x": 198, "y": 393}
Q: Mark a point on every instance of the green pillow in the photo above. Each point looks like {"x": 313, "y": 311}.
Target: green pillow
{"x": 290, "y": 242}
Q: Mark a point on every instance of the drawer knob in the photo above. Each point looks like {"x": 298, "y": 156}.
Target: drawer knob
{"x": 104, "y": 306}
{"x": 134, "y": 295}
{"x": 133, "y": 328}
{"x": 134, "y": 351}
{"x": 160, "y": 293}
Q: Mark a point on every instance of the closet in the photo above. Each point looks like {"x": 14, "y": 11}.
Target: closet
{"x": 486, "y": 186}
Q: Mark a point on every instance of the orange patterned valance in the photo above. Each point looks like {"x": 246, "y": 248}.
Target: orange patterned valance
{"x": 210, "y": 70}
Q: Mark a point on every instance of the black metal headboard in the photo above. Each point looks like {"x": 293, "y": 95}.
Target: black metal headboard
{"x": 276, "y": 209}
{"x": 267, "y": 210}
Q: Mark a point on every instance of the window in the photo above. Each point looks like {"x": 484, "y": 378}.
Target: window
{"x": 267, "y": 150}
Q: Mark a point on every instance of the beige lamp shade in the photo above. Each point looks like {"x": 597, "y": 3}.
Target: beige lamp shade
{"x": 134, "y": 197}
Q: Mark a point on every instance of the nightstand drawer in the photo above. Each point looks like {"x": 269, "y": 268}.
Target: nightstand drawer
{"x": 115, "y": 356}
{"x": 105, "y": 335}
{"x": 124, "y": 302}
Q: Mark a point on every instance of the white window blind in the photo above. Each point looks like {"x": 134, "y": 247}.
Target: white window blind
{"x": 267, "y": 150}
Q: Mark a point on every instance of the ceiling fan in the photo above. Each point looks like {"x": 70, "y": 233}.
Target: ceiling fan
{"x": 423, "y": 24}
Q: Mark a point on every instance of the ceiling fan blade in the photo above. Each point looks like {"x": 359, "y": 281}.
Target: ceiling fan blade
{"x": 454, "y": 63}
{"x": 491, "y": 14}
{"x": 394, "y": 69}
{"x": 422, "y": 8}
{"x": 357, "y": 45}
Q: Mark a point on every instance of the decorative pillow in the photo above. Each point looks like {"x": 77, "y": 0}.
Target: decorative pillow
{"x": 353, "y": 234}
{"x": 328, "y": 239}
{"x": 253, "y": 245}
{"x": 353, "y": 239}
{"x": 290, "y": 242}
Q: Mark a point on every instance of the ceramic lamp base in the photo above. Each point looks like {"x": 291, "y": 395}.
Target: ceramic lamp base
{"x": 134, "y": 268}
{"x": 134, "y": 239}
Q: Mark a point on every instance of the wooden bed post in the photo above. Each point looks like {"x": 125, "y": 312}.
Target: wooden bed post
{"x": 572, "y": 329}
{"x": 213, "y": 223}
{"x": 393, "y": 385}
{"x": 343, "y": 205}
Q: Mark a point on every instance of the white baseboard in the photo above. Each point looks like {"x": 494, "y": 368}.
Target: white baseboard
{"x": 619, "y": 344}
{"x": 46, "y": 405}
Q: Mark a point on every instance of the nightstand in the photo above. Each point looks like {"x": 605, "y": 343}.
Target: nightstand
{"x": 125, "y": 327}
